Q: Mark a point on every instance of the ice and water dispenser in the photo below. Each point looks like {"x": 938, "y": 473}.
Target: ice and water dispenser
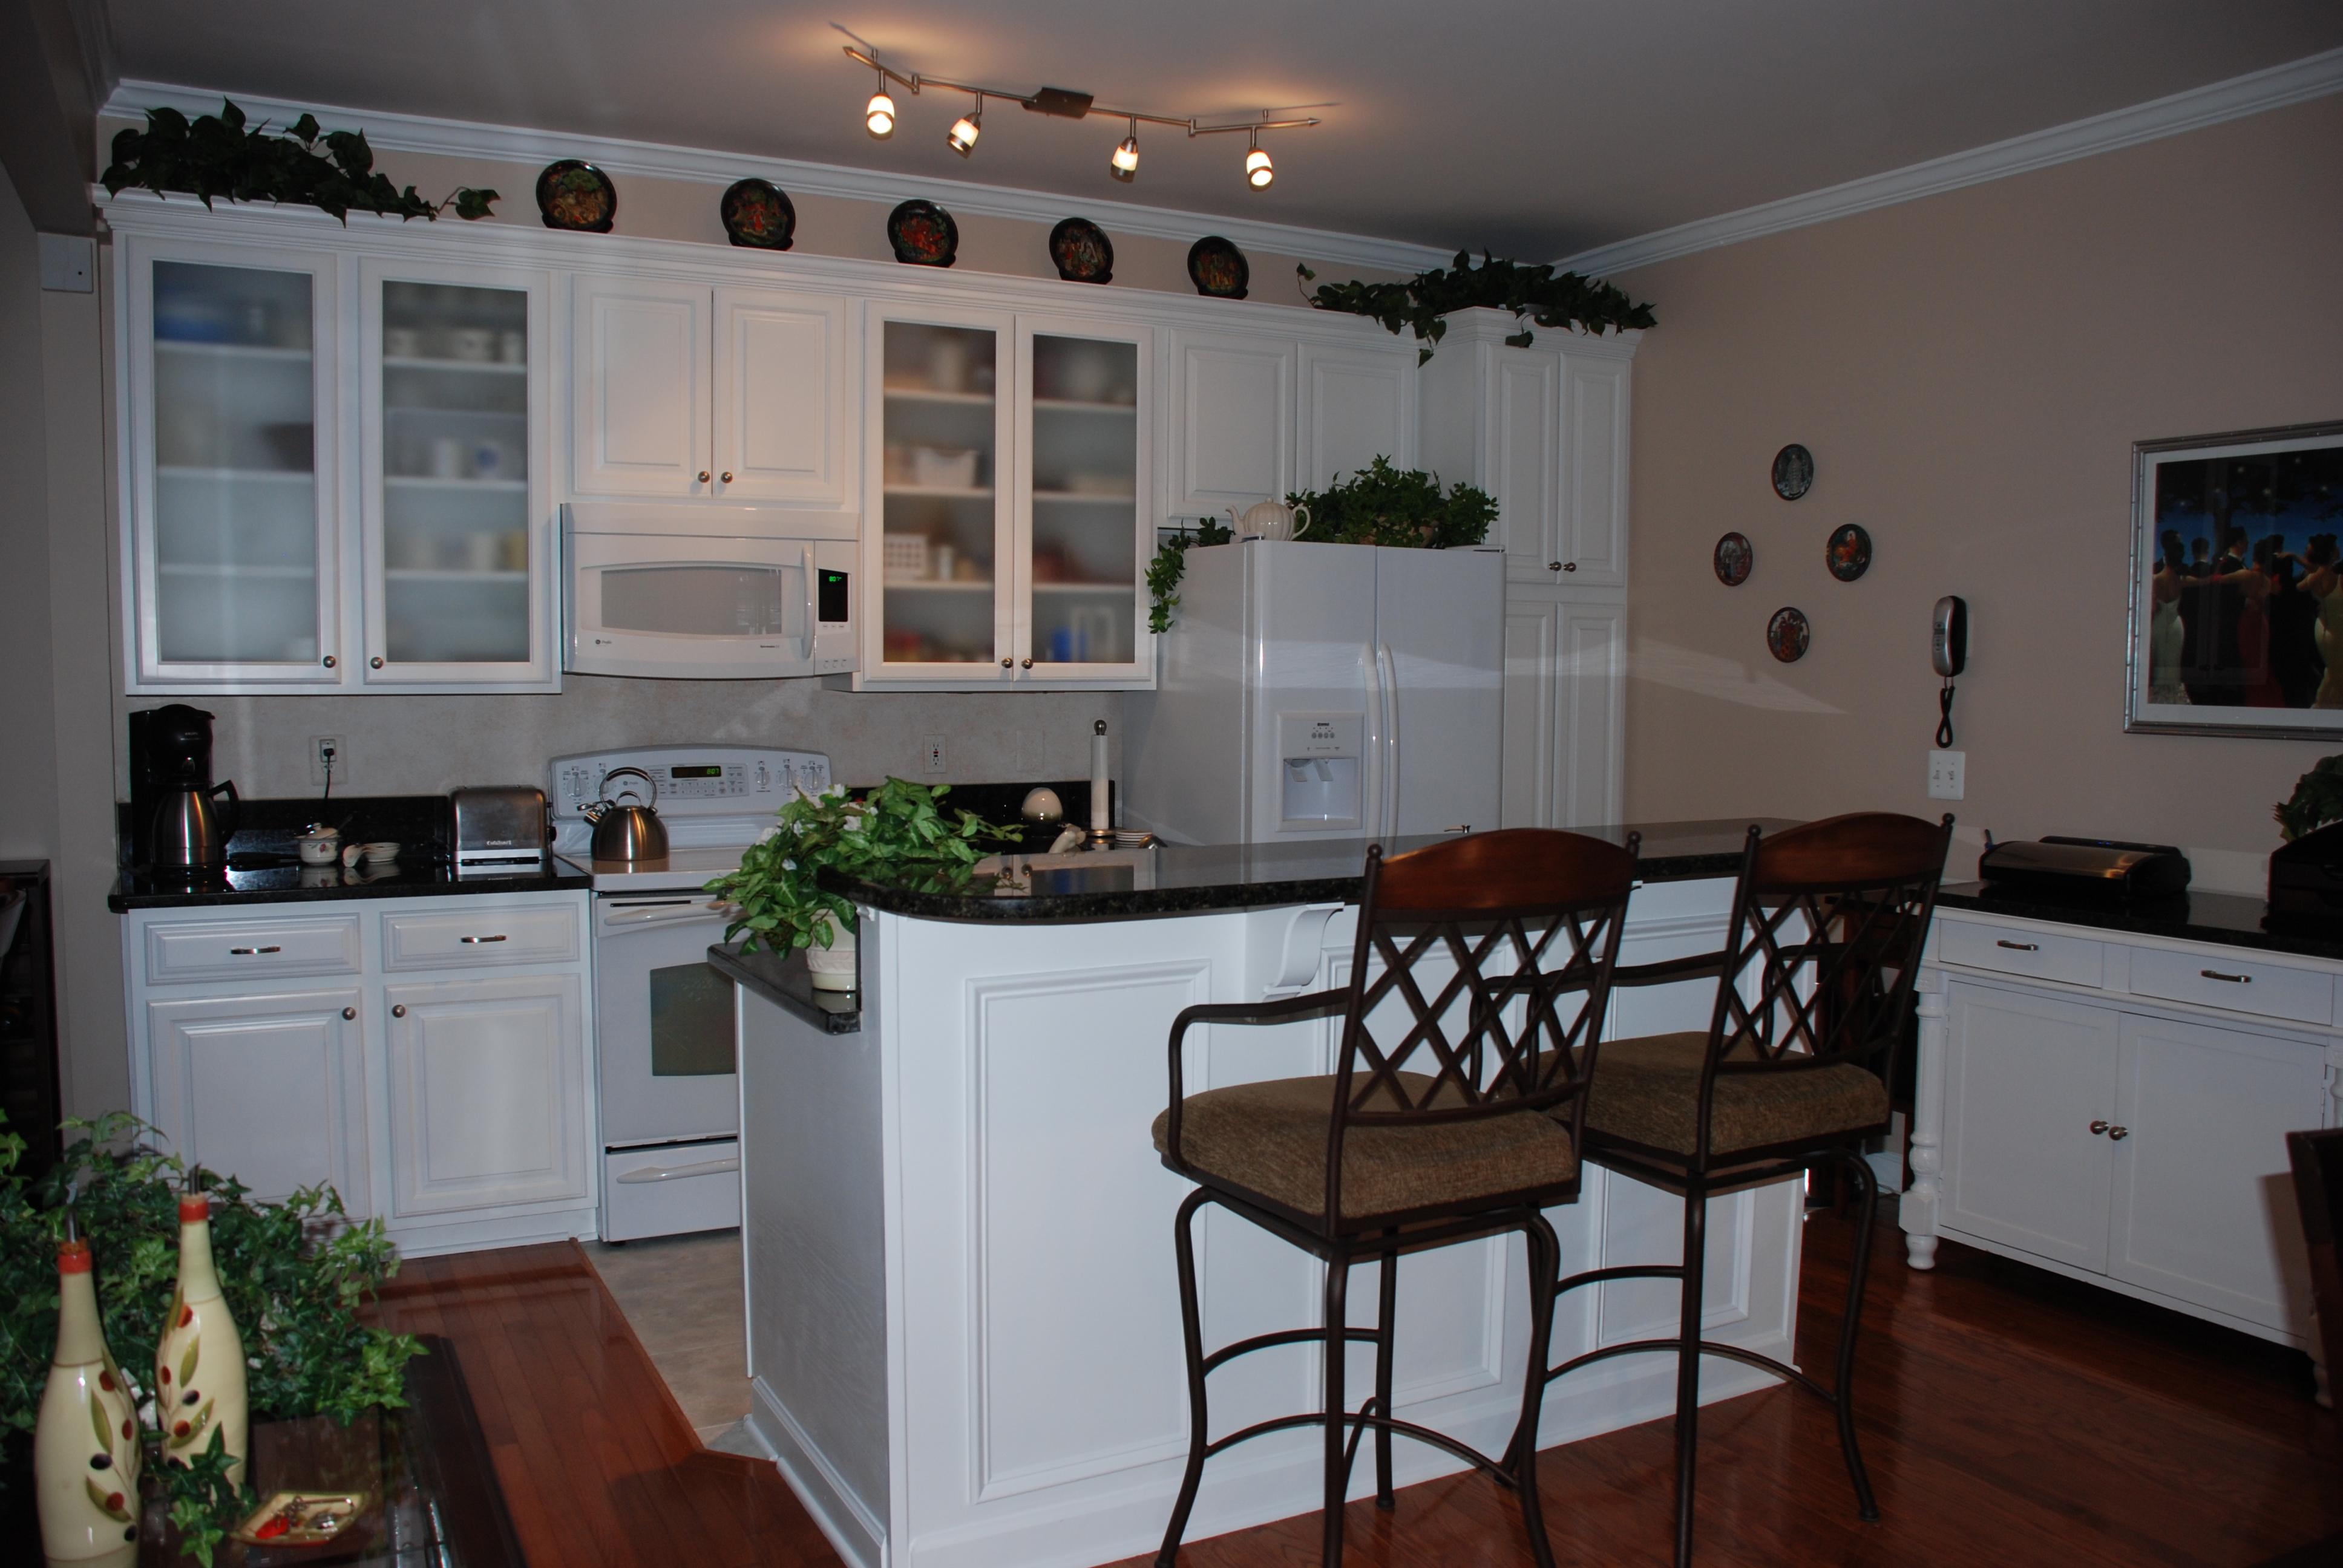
{"x": 1321, "y": 766}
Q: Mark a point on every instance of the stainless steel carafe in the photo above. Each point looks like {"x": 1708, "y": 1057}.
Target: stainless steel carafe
{"x": 191, "y": 831}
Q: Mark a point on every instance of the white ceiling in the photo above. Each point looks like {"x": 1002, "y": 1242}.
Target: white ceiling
{"x": 1533, "y": 129}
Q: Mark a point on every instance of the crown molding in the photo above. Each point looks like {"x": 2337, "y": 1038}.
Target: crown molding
{"x": 2298, "y": 81}
{"x": 389, "y": 132}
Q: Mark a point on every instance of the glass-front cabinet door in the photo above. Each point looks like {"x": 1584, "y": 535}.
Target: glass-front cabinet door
{"x": 457, "y": 562}
{"x": 1082, "y": 482}
{"x": 227, "y": 401}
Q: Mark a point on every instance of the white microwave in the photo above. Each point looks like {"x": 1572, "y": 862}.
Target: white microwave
{"x": 708, "y": 593}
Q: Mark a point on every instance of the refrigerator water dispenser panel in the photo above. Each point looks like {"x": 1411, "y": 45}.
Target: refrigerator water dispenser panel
{"x": 1321, "y": 755}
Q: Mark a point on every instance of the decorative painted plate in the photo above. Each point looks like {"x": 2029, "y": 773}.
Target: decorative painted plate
{"x": 1082, "y": 251}
{"x": 1848, "y": 554}
{"x": 924, "y": 235}
{"x": 1787, "y": 634}
{"x": 1733, "y": 557}
{"x": 759, "y": 215}
{"x": 1218, "y": 268}
{"x": 1794, "y": 472}
{"x": 573, "y": 194}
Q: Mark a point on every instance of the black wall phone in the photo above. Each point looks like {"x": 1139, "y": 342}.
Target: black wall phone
{"x": 1948, "y": 652}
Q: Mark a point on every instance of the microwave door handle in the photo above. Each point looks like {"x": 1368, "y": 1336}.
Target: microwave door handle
{"x": 804, "y": 558}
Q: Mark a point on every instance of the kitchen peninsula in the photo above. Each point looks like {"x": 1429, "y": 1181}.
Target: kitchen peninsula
{"x": 963, "y": 1325}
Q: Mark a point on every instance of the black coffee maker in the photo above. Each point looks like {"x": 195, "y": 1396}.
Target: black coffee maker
{"x": 176, "y": 824}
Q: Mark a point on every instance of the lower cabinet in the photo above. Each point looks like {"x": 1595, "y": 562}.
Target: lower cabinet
{"x": 2111, "y": 1140}
{"x": 1565, "y": 669}
{"x": 449, "y": 1097}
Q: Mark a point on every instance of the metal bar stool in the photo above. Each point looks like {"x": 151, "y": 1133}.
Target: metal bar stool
{"x": 1827, "y": 926}
{"x": 1453, "y": 1114}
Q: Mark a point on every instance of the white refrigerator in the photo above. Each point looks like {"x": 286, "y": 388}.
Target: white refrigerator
{"x": 1323, "y": 691}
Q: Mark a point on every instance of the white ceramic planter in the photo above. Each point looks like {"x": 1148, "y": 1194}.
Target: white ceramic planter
{"x": 833, "y": 967}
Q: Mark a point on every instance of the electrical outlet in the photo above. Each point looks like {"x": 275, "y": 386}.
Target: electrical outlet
{"x": 320, "y": 747}
{"x": 1947, "y": 774}
{"x": 931, "y": 754}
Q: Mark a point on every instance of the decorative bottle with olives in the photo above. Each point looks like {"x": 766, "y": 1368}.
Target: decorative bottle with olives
{"x": 199, "y": 1359}
{"x": 86, "y": 1443}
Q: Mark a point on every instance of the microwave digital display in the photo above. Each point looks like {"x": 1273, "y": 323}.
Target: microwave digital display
{"x": 831, "y": 596}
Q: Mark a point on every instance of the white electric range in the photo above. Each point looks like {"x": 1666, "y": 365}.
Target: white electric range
{"x": 663, "y": 1028}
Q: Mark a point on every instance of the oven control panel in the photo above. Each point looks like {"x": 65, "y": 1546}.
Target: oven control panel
{"x": 688, "y": 781}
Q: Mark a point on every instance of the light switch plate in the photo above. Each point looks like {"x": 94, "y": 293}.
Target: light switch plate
{"x": 1947, "y": 774}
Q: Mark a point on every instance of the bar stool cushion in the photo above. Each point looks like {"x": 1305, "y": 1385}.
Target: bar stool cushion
{"x": 1646, "y": 1091}
{"x": 1270, "y": 1139}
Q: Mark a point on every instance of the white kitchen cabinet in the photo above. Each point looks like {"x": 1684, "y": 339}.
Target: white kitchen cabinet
{"x": 1233, "y": 417}
{"x": 1564, "y": 744}
{"x": 438, "y": 1084}
{"x": 2095, "y": 1126}
{"x": 1013, "y": 460}
{"x": 681, "y": 391}
{"x": 1544, "y": 430}
{"x": 1358, "y": 403}
{"x": 269, "y": 1087}
{"x": 487, "y": 1093}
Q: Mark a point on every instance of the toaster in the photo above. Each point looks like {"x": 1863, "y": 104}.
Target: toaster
{"x": 501, "y": 830}
{"x": 2086, "y": 869}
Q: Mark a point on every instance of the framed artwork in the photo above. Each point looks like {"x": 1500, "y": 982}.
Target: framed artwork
{"x": 2236, "y": 587}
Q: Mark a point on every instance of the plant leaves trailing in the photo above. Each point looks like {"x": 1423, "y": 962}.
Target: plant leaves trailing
{"x": 295, "y": 1274}
{"x": 1535, "y": 295}
{"x": 1383, "y": 505}
{"x": 899, "y": 831}
{"x": 218, "y": 157}
{"x": 1171, "y": 562}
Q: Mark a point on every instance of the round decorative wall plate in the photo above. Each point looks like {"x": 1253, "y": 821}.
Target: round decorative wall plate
{"x": 759, "y": 215}
{"x": 924, "y": 235}
{"x": 573, "y": 194}
{"x": 1848, "y": 554}
{"x": 1218, "y": 268}
{"x": 1794, "y": 472}
{"x": 1787, "y": 634}
{"x": 1082, "y": 251}
{"x": 1733, "y": 557}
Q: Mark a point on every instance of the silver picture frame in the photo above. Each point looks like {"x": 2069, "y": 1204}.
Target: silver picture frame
{"x": 2234, "y": 559}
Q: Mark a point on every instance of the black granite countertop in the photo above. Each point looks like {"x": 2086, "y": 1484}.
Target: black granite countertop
{"x": 1184, "y": 880}
{"x": 2224, "y": 920}
{"x": 784, "y": 980}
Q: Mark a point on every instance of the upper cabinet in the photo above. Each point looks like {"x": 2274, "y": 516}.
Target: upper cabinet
{"x": 685, "y": 392}
{"x": 294, "y": 525}
{"x": 1543, "y": 430}
{"x": 1010, "y": 455}
{"x": 1233, "y": 421}
{"x": 1358, "y": 403}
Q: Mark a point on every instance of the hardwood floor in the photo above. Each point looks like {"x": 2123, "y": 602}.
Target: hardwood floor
{"x": 2007, "y": 1417}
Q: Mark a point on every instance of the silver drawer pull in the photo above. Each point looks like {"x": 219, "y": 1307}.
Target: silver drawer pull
{"x": 2232, "y": 979}
{"x": 2020, "y": 947}
{"x": 248, "y": 952}
{"x": 474, "y": 942}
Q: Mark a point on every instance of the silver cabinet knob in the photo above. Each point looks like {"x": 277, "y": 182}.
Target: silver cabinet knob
{"x": 2117, "y": 1134}
{"x": 1554, "y": 565}
{"x": 328, "y": 661}
{"x": 375, "y": 663}
{"x": 728, "y": 476}
{"x": 398, "y": 1009}
{"x": 703, "y": 475}
{"x": 1007, "y": 663}
{"x": 348, "y": 1014}
{"x": 1029, "y": 661}
{"x": 1570, "y": 566}
{"x": 2097, "y": 1128}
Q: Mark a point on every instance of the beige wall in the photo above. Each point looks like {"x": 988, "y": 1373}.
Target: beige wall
{"x": 1970, "y": 372}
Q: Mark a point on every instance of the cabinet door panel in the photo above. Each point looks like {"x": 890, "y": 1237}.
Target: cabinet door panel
{"x": 1593, "y": 542}
{"x": 1084, "y": 530}
{"x": 639, "y": 423}
{"x": 1590, "y": 678}
{"x": 2202, "y": 1205}
{"x": 781, "y": 397}
{"x": 1359, "y": 405}
{"x": 267, "y": 1089}
{"x": 2025, "y": 1077}
{"x": 487, "y": 1093}
{"x": 1527, "y": 795}
{"x": 1233, "y": 421}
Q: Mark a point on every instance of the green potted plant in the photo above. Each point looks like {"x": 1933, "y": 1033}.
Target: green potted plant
{"x": 1386, "y": 505}
{"x": 898, "y": 831}
{"x": 295, "y": 1274}
{"x": 2316, "y": 801}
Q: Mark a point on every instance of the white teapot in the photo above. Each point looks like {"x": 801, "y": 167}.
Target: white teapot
{"x": 1270, "y": 520}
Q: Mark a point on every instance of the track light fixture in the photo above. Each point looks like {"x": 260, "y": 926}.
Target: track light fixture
{"x": 1064, "y": 104}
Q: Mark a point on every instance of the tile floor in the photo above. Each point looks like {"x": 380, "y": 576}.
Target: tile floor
{"x": 681, "y": 1295}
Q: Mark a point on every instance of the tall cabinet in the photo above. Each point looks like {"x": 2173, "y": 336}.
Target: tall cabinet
{"x": 1543, "y": 428}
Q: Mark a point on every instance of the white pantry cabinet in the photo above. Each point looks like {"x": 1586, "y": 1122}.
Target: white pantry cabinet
{"x": 290, "y": 1044}
{"x": 681, "y": 391}
{"x": 2095, "y": 1126}
{"x": 1564, "y": 724}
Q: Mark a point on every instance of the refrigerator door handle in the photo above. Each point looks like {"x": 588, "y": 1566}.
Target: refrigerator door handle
{"x": 1388, "y": 692}
{"x": 1371, "y": 767}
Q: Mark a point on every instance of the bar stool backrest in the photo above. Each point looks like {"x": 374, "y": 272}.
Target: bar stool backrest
{"x": 2317, "y": 1161}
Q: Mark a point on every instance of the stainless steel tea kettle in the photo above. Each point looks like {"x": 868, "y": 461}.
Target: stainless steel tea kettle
{"x": 624, "y": 831}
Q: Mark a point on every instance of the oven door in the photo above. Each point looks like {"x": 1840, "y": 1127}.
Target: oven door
{"x": 663, "y": 1020}
{"x": 707, "y": 608}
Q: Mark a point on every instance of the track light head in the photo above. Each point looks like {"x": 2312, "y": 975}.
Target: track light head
{"x": 1259, "y": 170}
{"x": 963, "y": 136}
{"x": 878, "y": 115}
{"x": 1124, "y": 163}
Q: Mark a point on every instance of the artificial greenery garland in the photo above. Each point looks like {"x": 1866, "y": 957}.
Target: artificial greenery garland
{"x": 1533, "y": 293}
{"x": 293, "y": 1283}
{"x": 1171, "y": 562}
{"x": 2316, "y": 801}
{"x": 218, "y": 157}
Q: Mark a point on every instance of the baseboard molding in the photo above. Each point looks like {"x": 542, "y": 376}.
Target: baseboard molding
{"x": 841, "y": 1516}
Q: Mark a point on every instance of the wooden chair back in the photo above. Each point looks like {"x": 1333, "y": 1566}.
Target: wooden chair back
{"x": 2318, "y": 1159}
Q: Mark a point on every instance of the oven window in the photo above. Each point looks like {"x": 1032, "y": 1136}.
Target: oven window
{"x": 691, "y": 1021}
{"x": 704, "y": 600}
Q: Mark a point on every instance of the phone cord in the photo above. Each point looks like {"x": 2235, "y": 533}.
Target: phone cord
{"x": 1945, "y": 725}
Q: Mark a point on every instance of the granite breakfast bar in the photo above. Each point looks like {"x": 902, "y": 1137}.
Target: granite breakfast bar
{"x": 963, "y": 1325}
